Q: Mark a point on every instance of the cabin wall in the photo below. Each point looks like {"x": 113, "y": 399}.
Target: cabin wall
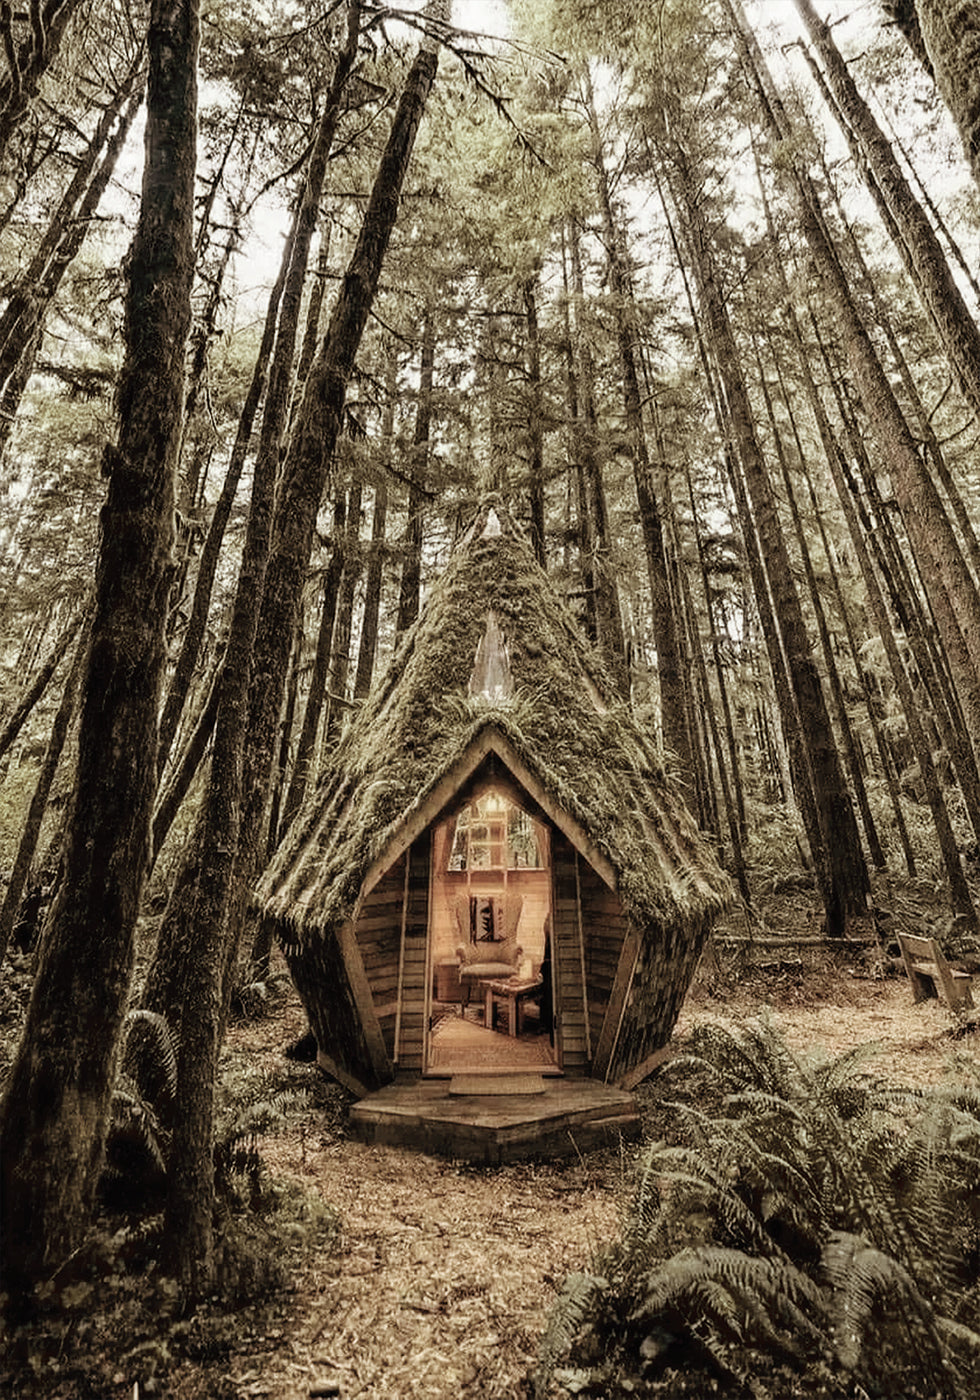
{"x": 331, "y": 982}
{"x": 605, "y": 930}
{"x": 567, "y": 955}
{"x": 666, "y": 963}
{"x": 378, "y": 933}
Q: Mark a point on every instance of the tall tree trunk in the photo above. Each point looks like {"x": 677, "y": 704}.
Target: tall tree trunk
{"x": 581, "y": 445}
{"x": 959, "y": 892}
{"x": 609, "y": 622}
{"x": 677, "y": 740}
{"x": 827, "y": 441}
{"x": 39, "y": 801}
{"x": 184, "y": 769}
{"x": 313, "y": 712}
{"x": 823, "y": 630}
{"x": 951, "y": 36}
{"x": 535, "y": 419}
{"x": 54, "y": 1117}
{"x": 409, "y": 595}
{"x": 922, "y": 606}
{"x": 234, "y": 837}
{"x": 368, "y": 644}
{"x": 912, "y": 233}
{"x": 845, "y": 877}
{"x": 207, "y": 569}
{"x": 340, "y": 642}
{"x": 733, "y": 797}
{"x": 928, "y": 526}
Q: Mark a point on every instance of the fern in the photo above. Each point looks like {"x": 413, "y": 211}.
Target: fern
{"x": 813, "y": 1218}
{"x": 578, "y": 1295}
{"x": 143, "y": 1098}
{"x": 237, "y": 1161}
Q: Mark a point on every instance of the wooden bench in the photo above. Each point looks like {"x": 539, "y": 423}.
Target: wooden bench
{"x": 931, "y": 975}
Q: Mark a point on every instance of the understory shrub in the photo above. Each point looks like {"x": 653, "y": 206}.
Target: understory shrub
{"x": 812, "y": 1230}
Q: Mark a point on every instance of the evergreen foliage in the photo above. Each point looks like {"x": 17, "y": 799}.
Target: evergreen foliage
{"x": 813, "y": 1230}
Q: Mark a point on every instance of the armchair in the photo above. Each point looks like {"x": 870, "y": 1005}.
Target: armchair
{"x": 487, "y": 958}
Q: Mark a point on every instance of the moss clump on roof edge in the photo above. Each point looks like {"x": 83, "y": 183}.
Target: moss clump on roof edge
{"x": 598, "y": 764}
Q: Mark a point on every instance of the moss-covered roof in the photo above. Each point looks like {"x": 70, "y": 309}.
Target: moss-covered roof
{"x": 558, "y": 712}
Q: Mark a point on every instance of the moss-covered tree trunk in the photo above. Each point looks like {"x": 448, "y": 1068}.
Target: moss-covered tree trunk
{"x": 951, "y": 37}
{"x": 54, "y": 1118}
{"x": 234, "y": 836}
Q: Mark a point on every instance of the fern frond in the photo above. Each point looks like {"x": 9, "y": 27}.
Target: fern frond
{"x": 149, "y": 1055}
{"x": 578, "y": 1295}
{"x": 770, "y": 1301}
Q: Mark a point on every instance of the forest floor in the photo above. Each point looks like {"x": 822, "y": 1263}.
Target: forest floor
{"x": 383, "y": 1274}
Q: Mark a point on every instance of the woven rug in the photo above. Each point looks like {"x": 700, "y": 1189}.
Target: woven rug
{"x": 458, "y": 1044}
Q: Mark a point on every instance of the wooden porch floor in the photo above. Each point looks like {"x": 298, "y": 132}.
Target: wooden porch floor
{"x": 550, "y": 1118}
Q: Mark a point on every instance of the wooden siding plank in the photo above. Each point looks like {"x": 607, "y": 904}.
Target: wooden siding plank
{"x": 616, "y": 1006}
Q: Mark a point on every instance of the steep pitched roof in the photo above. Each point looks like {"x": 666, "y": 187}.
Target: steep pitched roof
{"x": 495, "y": 665}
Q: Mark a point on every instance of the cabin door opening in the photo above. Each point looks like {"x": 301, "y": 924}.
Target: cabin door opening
{"x": 491, "y": 1003}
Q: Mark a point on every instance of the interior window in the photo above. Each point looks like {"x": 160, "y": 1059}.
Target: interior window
{"x": 494, "y": 834}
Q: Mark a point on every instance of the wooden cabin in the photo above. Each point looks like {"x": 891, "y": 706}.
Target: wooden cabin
{"x": 494, "y": 892}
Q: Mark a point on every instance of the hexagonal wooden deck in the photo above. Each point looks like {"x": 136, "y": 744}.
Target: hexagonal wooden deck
{"x": 551, "y": 1118}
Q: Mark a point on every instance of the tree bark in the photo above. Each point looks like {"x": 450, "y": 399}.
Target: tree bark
{"x": 951, "y": 37}
{"x": 409, "y": 596}
{"x": 234, "y": 837}
{"x": 911, "y": 231}
{"x": 54, "y": 1117}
